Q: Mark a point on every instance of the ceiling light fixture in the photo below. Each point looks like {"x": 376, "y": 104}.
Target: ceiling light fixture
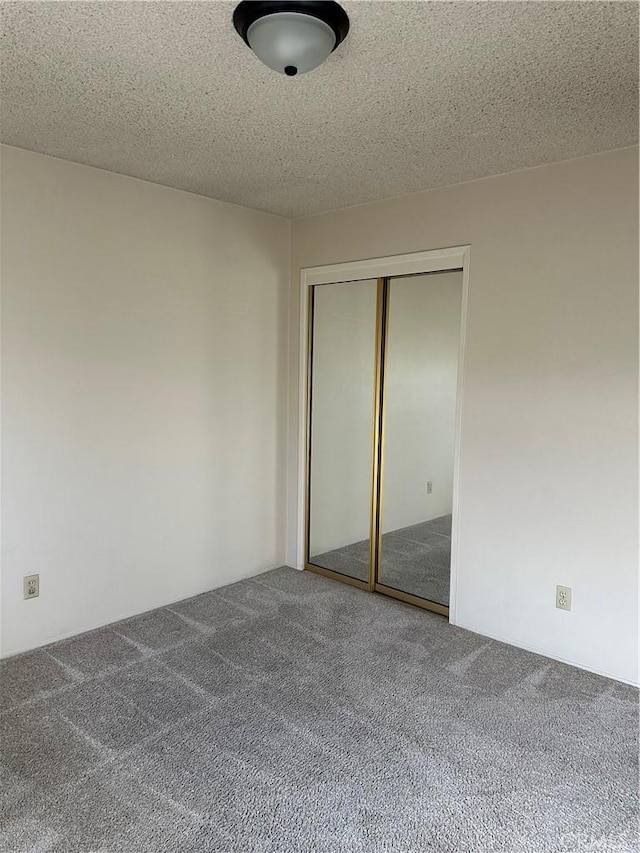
{"x": 291, "y": 37}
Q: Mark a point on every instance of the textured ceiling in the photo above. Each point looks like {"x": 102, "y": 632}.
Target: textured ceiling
{"x": 421, "y": 94}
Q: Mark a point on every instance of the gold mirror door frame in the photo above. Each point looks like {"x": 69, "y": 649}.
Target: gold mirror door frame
{"x": 373, "y": 580}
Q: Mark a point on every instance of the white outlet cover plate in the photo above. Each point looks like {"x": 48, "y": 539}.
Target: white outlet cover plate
{"x": 31, "y": 586}
{"x": 563, "y": 597}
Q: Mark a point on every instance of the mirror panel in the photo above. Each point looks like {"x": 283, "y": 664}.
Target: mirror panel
{"x": 420, "y": 388}
{"x": 343, "y": 373}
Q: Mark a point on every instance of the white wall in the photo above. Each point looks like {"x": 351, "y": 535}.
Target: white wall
{"x": 549, "y": 462}
{"x": 144, "y": 362}
{"x": 421, "y": 379}
{"x": 144, "y": 395}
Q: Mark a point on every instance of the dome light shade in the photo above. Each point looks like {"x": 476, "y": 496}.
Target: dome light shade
{"x": 288, "y": 40}
{"x": 291, "y": 37}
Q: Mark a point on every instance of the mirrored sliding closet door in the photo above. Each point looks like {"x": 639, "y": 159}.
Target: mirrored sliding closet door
{"x": 382, "y": 412}
{"x": 419, "y": 429}
{"x": 341, "y": 414}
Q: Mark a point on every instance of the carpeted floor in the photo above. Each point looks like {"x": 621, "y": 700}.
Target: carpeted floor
{"x": 415, "y": 559}
{"x": 294, "y": 713}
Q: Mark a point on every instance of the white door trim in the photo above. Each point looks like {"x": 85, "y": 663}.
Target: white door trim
{"x": 395, "y": 265}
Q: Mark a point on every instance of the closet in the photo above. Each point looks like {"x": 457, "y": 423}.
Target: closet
{"x": 383, "y": 364}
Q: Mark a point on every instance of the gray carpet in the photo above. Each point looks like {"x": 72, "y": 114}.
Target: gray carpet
{"x": 415, "y": 559}
{"x": 295, "y": 713}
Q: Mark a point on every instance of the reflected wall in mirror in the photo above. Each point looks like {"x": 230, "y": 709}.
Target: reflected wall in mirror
{"x": 342, "y": 386}
{"x": 420, "y": 390}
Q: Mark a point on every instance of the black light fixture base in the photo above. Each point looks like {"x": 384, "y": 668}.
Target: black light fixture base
{"x": 331, "y": 13}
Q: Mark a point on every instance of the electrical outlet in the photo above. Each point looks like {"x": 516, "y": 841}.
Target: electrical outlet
{"x": 563, "y": 597}
{"x": 31, "y": 586}
{"x": 429, "y": 486}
